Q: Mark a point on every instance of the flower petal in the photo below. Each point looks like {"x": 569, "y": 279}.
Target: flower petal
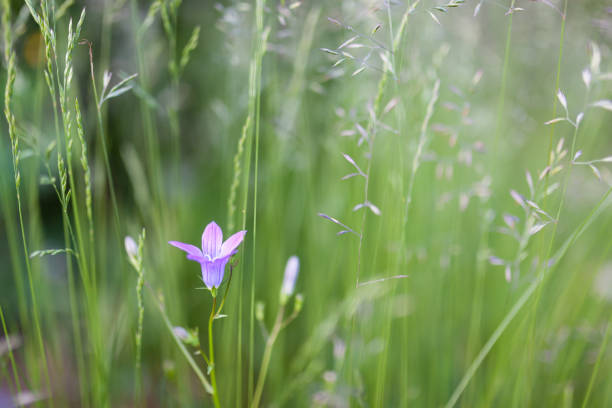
{"x": 211, "y": 240}
{"x": 231, "y": 243}
{"x": 213, "y": 271}
{"x": 190, "y": 249}
{"x": 197, "y": 258}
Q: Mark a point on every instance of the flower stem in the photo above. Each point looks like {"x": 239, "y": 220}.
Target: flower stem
{"x": 211, "y": 356}
{"x": 263, "y": 371}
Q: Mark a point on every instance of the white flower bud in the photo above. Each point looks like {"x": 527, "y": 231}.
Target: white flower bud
{"x": 132, "y": 250}
{"x": 291, "y": 273}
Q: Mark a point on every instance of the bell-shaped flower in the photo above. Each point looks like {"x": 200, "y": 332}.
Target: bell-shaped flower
{"x": 214, "y": 254}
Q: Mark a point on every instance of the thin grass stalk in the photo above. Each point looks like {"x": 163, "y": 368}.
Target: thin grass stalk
{"x": 557, "y": 82}
{"x": 139, "y": 329}
{"x": 49, "y": 40}
{"x": 265, "y": 362}
{"x": 35, "y": 231}
{"x": 12, "y": 130}
{"x": 205, "y": 384}
{"x": 12, "y": 239}
{"x": 531, "y": 332}
{"x": 381, "y": 376}
{"x": 370, "y": 131}
{"x": 160, "y": 213}
{"x": 596, "y": 368}
{"x": 88, "y": 187}
{"x": 84, "y": 261}
{"x": 260, "y": 45}
{"x": 51, "y": 77}
{"x": 522, "y": 300}
{"x": 246, "y": 138}
{"x": 502, "y": 93}
{"x": 10, "y": 353}
{"x": 527, "y": 365}
{"x": 482, "y": 256}
{"x": 99, "y": 374}
{"x": 152, "y": 143}
{"x": 103, "y": 142}
{"x": 7, "y": 204}
{"x": 169, "y": 20}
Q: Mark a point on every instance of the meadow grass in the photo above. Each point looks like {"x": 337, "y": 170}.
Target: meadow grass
{"x": 442, "y": 172}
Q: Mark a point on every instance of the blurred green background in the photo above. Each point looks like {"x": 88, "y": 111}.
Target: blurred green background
{"x": 438, "y": 294}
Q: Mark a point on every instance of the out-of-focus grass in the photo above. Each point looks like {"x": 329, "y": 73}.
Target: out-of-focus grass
{"x": 447, "y": 289}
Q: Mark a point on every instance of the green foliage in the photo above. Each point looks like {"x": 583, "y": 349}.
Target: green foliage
{"x": 442, "y": 170}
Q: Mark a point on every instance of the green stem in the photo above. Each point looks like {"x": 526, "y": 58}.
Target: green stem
{"x": 600, "y": 354}
{"x": 502, "y": 92}
{"x": 12, "y": 129}
{"x": 211, "y": 355}
{"x": 263, "y": 371}
{"x": 261, "y": 43}
{"x": 179, "y": 343}
{"x": 107, "y": 167}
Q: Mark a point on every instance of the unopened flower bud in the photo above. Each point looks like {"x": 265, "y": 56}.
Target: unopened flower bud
{"x": 132, "y": 250}
{"x": 291, "y": 273}
{"x": 181, "y": 333}
{"x": 189, "y": 337}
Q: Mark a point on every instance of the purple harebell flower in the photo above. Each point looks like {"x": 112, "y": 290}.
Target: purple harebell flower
{"x": 214, "y": 254}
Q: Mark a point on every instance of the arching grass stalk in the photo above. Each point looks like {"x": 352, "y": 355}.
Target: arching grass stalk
{"x": 600, "y": 355}
{"x": 522, "y": 300}
{"x": 532, "y": 326}
{"x": 205, "y": 383}
{"x": 601, "y": 351}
